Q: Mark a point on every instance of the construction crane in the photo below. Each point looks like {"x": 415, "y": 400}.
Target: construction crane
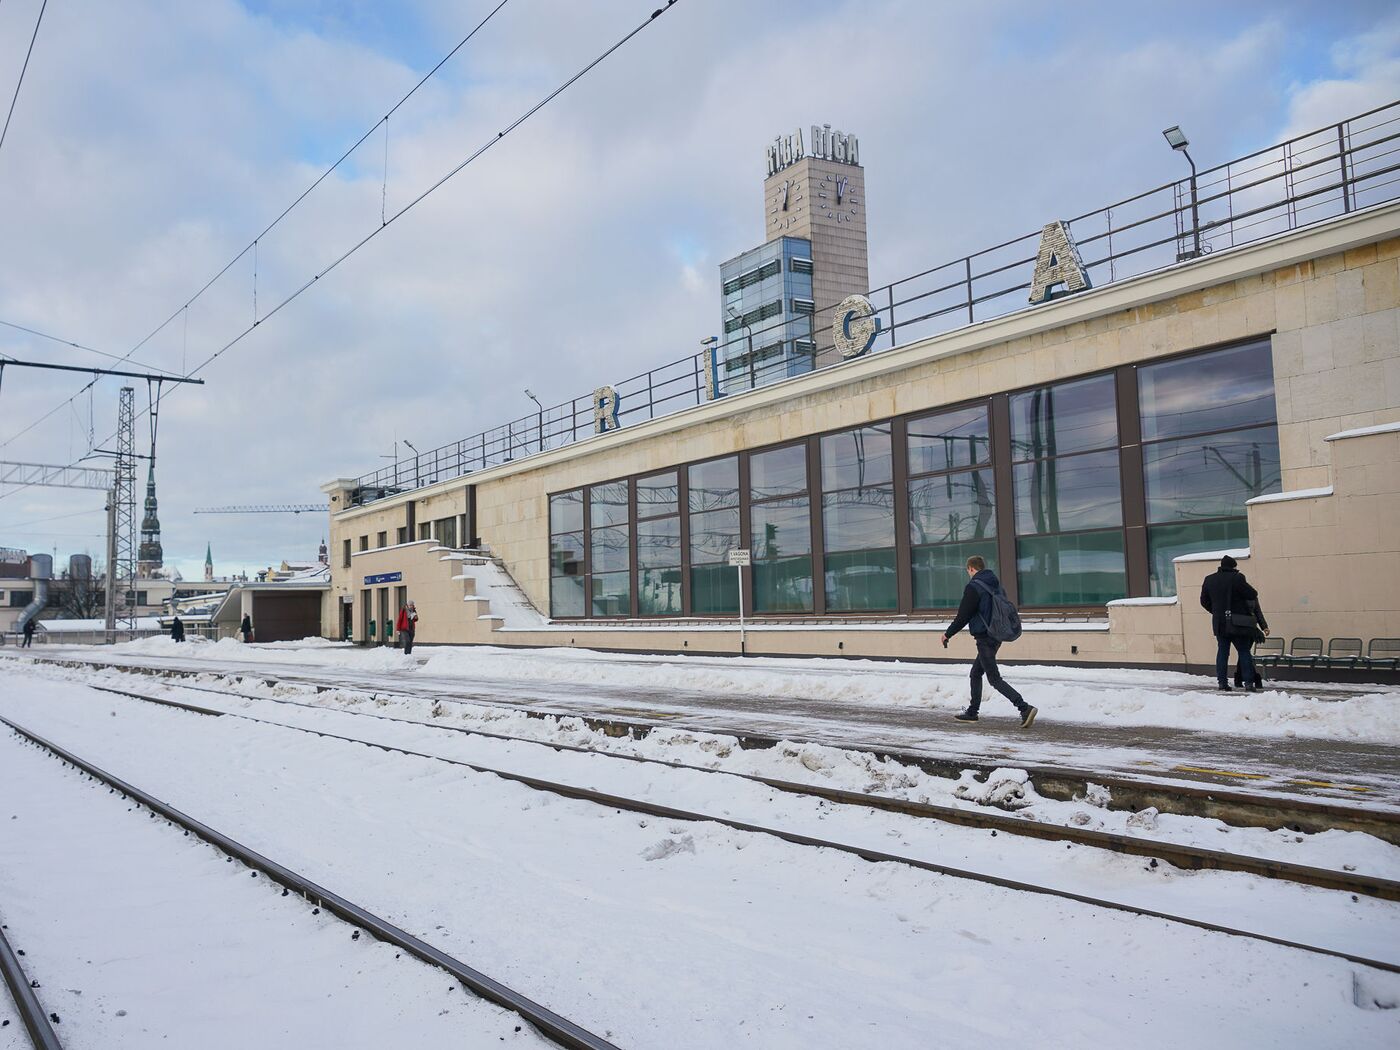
{"x": 267, "y": 508}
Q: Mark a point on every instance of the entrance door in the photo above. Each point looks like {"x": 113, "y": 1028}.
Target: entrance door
{"x": 366, "y": 618}
{"x": 386, "y": 623}
{"x": 347, "y": 621}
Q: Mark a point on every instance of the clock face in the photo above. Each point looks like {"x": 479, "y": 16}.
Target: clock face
{"x": 835, "y": 200}
{"x": 785, "y": 202}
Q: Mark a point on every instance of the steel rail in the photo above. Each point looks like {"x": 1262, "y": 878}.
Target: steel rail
{"x": 1179, "y": 855}
{"x": 633, "y": 805}
{"x": 31, "y": 1011}
{"x": 553, "y": 1026}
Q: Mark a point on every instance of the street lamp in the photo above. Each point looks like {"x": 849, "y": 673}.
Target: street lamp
{"x": 417, "y": 479}
{"x": 536, "y": 400}
{"x": 734, "y": 315}
{"x": 1176, "y": 139}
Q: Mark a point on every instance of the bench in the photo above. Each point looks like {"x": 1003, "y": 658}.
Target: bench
{"x": 1305, "y": 652}
{"x": 1383, "y": 654}
{"x": 1269, "y": 652}
{"x": 1344, "y": 652}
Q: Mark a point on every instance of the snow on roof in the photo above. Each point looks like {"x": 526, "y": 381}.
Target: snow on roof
{"x": 1284, "y": 497}
{"x": 1383, "y": 428}
{"x": 1144, "y": 601}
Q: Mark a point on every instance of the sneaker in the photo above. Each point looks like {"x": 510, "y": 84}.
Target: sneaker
{"x": 970, "y": 715}
{"x": 1028, "y": 716}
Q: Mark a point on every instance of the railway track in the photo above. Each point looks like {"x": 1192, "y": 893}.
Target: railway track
{"x": 40, "y": 1020}
{"x": 1247, "y": 809}
{"x": 629, "y": 804}
{"x": 1186, "y": 857}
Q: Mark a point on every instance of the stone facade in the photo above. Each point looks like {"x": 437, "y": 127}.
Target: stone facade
{"x": 1328, "y": 296}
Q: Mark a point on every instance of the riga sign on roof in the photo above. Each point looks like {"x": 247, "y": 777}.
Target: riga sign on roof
{"x": 826, "y": 145}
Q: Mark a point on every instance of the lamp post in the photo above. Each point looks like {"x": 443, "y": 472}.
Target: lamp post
{"x": 540, "y": 419}
{"x": 1176, "y": 139}
{"x": 734, "y": 315}
{"x": 417, "y": 479}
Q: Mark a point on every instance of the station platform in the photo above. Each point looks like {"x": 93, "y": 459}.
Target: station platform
{"x": 1344, "y": 770}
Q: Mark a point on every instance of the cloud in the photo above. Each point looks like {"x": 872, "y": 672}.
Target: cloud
{"x": 154, "y": 140}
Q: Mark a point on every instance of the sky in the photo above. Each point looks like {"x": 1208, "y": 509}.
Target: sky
{"x": 152, "y": 141}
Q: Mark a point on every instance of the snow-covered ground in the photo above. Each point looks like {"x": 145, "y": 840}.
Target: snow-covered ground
{"x": 659, "y": 933}
{"x": 141, "y": 936}
{"x": 1094, "y": 696}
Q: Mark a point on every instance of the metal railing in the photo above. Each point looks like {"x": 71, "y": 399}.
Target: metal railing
{"x": 98, "y": 636}
{"x": 1308, "y": 179}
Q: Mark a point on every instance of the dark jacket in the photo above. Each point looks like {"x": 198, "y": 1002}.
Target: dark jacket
{"x": 975, "y": 609}
{"x": 177, "y": 630}
{"x": 246, "y": 627}
{"x": 1226, "y": 591}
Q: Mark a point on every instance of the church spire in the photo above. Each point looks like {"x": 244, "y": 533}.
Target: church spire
{"x": 150, "y": 556}
{"x": 208, "y": 563}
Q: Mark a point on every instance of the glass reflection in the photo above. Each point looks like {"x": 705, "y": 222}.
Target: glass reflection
{"x": 1210, "y": 477}
{"x": 1216, "y": 391}
{"x": 950, "y": 439}
{"x": 1069, "y": 493}
{"x": 1068, "y": 417}
{"x": 952, "y": 507}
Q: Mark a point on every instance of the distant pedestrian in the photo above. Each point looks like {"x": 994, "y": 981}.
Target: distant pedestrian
{"x": 977, "y": 612}
{"x": 28, "y": 633}
{"x": 407, "y": 626}
{"x": 246, "y": 628}
{"x": 177, "y": 630}
{"x": 1234, "y": 618}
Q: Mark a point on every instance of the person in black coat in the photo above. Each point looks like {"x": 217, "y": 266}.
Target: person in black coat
{"x": 246, "y": 628}
{"x": 177, "y": 630}
{"x": 974, "y": 611}
{"x": 1234, "y": 613}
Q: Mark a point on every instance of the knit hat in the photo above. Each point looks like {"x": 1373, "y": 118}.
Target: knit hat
{"x": 1228, "y": 562}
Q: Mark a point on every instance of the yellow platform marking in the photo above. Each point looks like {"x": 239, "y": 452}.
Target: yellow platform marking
{"x": 1328, "y": 784}
{"x": 1219, "y": 772}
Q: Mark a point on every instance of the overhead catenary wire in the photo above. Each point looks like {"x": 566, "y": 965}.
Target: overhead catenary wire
{"x": 22, "y": 70}
{"x": 433, "y": 188}
{"x": 251, "y": 246}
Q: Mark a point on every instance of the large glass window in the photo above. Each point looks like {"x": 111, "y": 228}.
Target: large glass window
{"x": 1081, "y": 569}
{"x": 1216, "y": 391}
{"x": 952, "y": 504}
{"x": 858, "y": 520}
{"x": 1064, "y": 488}
{"x": 714, "y": 532}
{"x": 780, "y": 530}
{"x": 609, "y": 549}
{"x": 1069, "y": 417}
{"x": 566, "y": 577}
{"x": 1210, "y": 444}
{"x": 659, "y": 545}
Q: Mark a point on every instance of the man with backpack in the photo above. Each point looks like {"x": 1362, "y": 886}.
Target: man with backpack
{"x": 991, "y": 618}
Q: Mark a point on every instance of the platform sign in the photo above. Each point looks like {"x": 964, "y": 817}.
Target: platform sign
{"x": 383, "y": 577}
{"x": 740, "y": 558}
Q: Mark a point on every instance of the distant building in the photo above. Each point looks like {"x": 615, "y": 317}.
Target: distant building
{"x": 776, "y": 300}
{"x": 208, "y": 563}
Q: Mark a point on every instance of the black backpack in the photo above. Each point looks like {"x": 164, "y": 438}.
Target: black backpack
{"x": 1004, "y": 622}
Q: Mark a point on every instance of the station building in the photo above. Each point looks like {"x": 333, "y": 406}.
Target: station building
{"x": 1157, "y": 399}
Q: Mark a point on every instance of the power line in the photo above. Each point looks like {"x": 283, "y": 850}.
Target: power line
{"x": 56, "y": 517}
{"x": 477, "y": 153}
{"x": 251, "y": 246}
{"x": 22, "y": 69}
{"x": 72, "y": 343}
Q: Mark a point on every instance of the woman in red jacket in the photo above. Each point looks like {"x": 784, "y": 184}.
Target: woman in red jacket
{"x": 407, "y": 625}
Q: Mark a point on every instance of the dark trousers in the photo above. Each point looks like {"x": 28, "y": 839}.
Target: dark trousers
{"x": 986, "y": 664}
{"x": 1223, "y": 642}
{"x": 28, "y": 640}
{"x": 407, "y": 637}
